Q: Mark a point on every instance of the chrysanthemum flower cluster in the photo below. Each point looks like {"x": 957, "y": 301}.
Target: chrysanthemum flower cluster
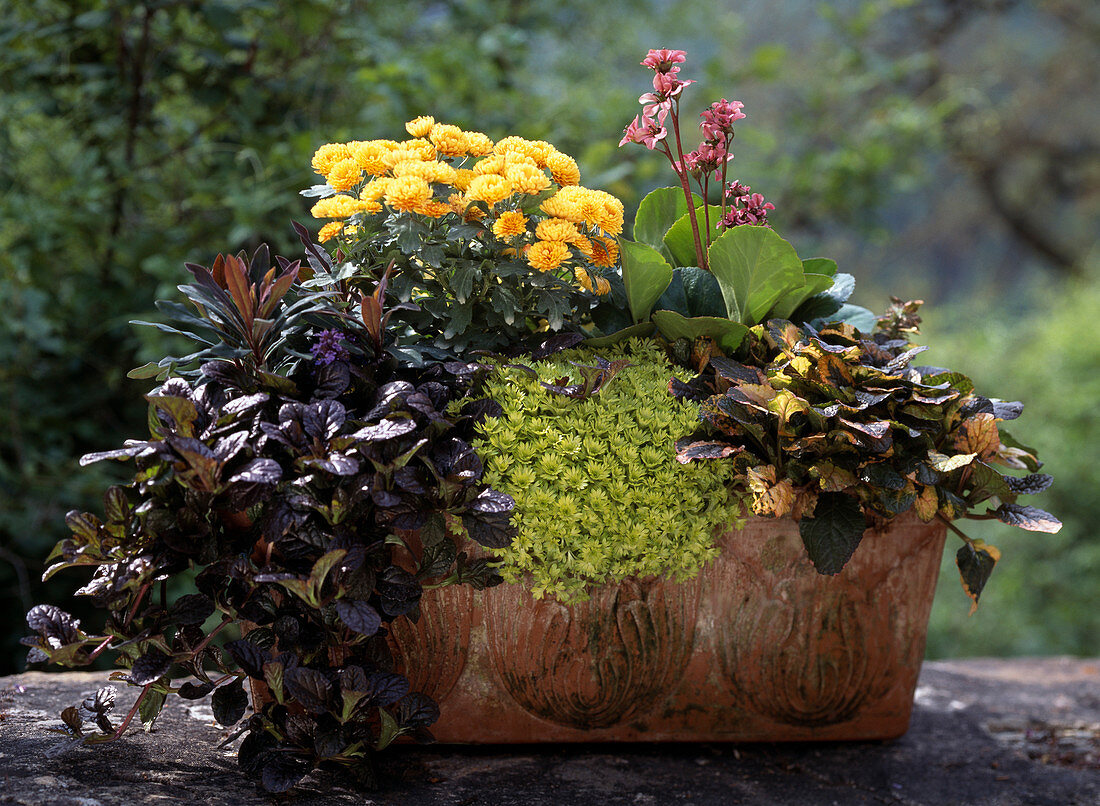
{"x": 525, "y": 193}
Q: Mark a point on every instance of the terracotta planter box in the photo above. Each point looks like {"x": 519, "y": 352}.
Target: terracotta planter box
{"x": 759, "y": 647}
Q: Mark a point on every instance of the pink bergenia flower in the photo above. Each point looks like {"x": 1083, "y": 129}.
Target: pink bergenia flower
{"x": 718, "y": 119}
{"x": 709, "y": 157}
{"x": 654, "y": 105}
{"x": 663, "y": 60}
{"x": 668, "y": 85}
{"x": 645, "y": 131}
{"x": 748, "y": 208}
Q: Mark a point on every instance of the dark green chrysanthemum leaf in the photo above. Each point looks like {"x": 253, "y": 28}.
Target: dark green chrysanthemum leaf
{"x": 229, "y": 702}
{"x": 833, "y": 533}
{"x": 976, "y": 560}
{"x": 1031, "y": 518}
{"x": 150, "y": 667}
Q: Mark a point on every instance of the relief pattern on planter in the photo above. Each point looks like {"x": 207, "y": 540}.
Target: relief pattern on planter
{"x": 432, "y": 652}
{"x": 807, "y": 650}
{"x": 597, "y": 663}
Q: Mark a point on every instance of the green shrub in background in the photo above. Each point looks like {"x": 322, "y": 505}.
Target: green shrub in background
{"x": 599, "y": 493}
{"x": 1044, "y": 599}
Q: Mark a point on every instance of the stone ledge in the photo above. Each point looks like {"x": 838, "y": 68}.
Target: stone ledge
{"x": 984, "y": 732}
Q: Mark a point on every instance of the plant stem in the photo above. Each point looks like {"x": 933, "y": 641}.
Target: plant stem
{"x": 706, "y": 207}
{"x": 953, "y": 527}
{"x": 129, "y": 718}
{"x": 207, "y": 639}
{"x": 681, "y": 169}
{"x": 725, "y": 162}
{"x": 140, "y": 595}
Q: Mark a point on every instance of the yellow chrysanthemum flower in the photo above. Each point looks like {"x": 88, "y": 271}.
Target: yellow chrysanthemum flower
{"x": 419, "y": 127}
{"x": 607, "y": 212}
{"x": 463, "y": 177}
{"x": 539, "y": 151}
{"x": 547, "y": 255}
{"x": 490, "y": 165}
{"x": 567, "y": 203}
{"x": 602, "y": 286}
{"x": 510, "y": 224}
{"x": 328, "y": 155}
{"x": 563, "y": 168}
{"x": 583, "y": 278}
{"x": 478, "y": 144}
{"x": 369, "y": 155}
{"x": 407, "y": 193}
{"x": 433, "y": 208}
{"x": 527, "y": 179}
{"x": 429, "y": 171}
{"x": 375, "y": 189}
{"x": 556, "y": 229}
{"x": 605, "y": 251}
{"x": 344, "y": 175}
{"x": 329, "y": 231}
{"x": 449, "y": 140}
{"x": 336, "y": 207}
{"x": 421, "y": 147}
{"x": 489, "y": 188}
{"x": 584, "y": 246}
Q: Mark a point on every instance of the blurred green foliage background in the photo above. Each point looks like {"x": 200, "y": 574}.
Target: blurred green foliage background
{"x": 944, "y": 149}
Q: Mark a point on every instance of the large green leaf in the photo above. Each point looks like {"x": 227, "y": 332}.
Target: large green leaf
{"x": 727, "y": 334}
{"x": 789, "y": 302}
{"x": 755, "y": 268}
{"x": 640, "y": 330}
{"x": 703, "y": 293}
{"x": 681, "y": 242}
{"x": 820, "y": 265}
{"x": 658, "y": 212}
{"x": 646, "y": 275}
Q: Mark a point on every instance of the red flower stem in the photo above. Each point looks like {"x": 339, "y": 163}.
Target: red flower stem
{"x": 699, "y": 253}
{"x": 725, "y": 162}
{"x": 99, "y": 649}
{"x": 140, "y": 595}
{"x": 208, "y": 638}
{"x": 706, "y": 206}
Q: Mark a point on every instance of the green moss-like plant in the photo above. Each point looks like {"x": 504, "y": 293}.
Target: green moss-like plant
{"x": 599, "y": 493}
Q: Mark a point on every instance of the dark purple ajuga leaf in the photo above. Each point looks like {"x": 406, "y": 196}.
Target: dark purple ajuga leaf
{"x": 556, "y": 344}
{"x": 248, "y": 656}
{"x": 133, "y": 448}
{"x": 359, "y": 616}
{"x": 150, "y": 667}
{"x": 53, "y": 624}
{"x": 258, "y": 471}
{"x": 195, "y": 691}
{"x": 416, "y": 710}
{"x": 98, "y": 707}
{"x": 353, "y": 679}
{"x": 281, "y": 771}
{"x": 694, "y": 391}
{"x": 435, "y": 392}
{"x": 735, "y": 371}
{"x": 310, "y": 688}
{"x": 229, "y": 702}
{"x": 494, "y": 531}
{"x": 192, "y": 608}
{"x": 479, "y": 410}
{"x": 225, "y": 448}
{"x": 492, "y": 502}
{"x": 385, "y": 688}
{"x": 390, "y": 428}
{"x": 323, "y": 419}
{"x": 332, "y": 380}
{"x": 408, "y": 479}
{"x": 399, "y": 591}
{"x": 456, "y": 459}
